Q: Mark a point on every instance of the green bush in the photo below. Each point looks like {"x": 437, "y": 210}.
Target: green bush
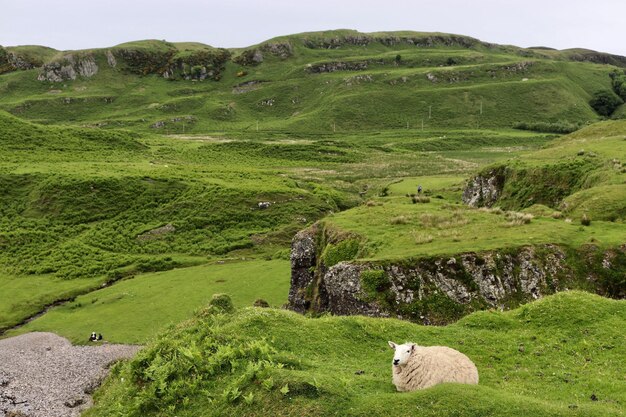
{"x": 222, "y": 302}
{"x": 605, "y": 102}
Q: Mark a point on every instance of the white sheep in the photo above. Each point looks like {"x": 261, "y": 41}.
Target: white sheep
{"x": 417, "y": 367}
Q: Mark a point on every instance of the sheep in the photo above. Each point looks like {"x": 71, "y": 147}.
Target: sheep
{"x": 418, "y": 367}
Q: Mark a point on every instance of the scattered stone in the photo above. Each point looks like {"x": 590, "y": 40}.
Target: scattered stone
{"x": 45, "y": 376}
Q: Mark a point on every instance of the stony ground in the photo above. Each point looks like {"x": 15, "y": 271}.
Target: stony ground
{"x": 43, "y": 375}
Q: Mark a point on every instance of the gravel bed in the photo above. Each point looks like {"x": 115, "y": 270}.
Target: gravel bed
{"x": 43, "y": 375}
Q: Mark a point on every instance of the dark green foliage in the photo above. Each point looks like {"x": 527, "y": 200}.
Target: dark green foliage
{"x": 605, "y": 102}
{"x": 563, "y": 127}
{"x": 618, "y": 82}
{"x": 222, "y": 302}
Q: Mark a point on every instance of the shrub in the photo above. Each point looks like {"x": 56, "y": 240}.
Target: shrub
{"x": 547, "y": 127}
{"x": 605, "y": 102}
{"x": 222, "y": 302}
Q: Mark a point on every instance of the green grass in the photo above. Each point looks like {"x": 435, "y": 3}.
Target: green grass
{"x": 550, "y": 357}
{"x": 135, "y": 310}
{"x": 24, "y": 296}
{"x": 397, "y": 229}
{"x": 475, "y": 86}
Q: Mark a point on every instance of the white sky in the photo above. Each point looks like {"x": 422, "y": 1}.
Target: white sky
{"x": 80, "y": 24}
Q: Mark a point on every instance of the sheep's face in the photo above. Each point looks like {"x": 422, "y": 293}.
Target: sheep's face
{"x": 401, "y": 353}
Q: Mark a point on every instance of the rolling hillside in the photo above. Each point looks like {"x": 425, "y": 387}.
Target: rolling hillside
{"x": 312, "y": 82}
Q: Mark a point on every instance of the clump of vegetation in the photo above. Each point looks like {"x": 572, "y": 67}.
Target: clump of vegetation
{"x": 605, "y": 102}
{"x": 222, "y": 302}
{"x": 562, "y": 127}
{"x": 518, "y": 219}
{"x": 421, "y": 238}
{"x": 373, "y": 282}
{"x": 400, "y": 220}
{"x": 420, "y": 199}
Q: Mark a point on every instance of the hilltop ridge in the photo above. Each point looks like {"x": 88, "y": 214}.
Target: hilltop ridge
{"x": 340, "y": 80}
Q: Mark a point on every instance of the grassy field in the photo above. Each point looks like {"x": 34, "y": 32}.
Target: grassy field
{"x": 155, "y": 184}
{"x": 135, "y": 310}
{"x": 550, "y": 357}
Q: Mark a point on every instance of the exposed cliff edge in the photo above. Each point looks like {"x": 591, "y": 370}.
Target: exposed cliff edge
{"x": 442, "y": 289}
{"x": 68, "y": 68}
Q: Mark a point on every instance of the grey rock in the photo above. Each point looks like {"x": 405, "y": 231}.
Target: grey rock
{"x": 68, "y": 68}
{"x": 111, "y": 59}
{"x": 484, "y": 189}
{"x": 303, "y": 262}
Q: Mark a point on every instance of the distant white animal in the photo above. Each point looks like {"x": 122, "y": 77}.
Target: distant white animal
{"x": 264, "y": 204}
{"x": 417, "y": 367}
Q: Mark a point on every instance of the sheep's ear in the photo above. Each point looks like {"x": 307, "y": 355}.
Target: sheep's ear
{"x": 392, "y": 345}
{"x": 413, "y": 347}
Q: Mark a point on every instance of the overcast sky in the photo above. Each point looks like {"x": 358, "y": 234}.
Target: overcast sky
{"x": 79, "y": 24}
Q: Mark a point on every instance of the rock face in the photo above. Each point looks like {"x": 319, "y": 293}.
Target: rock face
{"x": 484, "y": 189}
{"x": 68, "y": 69}
{"x": 439, "y": 290}
{"x": 336, "y": 66}
{"x": 303, "y": 262}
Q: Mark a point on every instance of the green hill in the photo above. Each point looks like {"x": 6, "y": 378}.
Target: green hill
{"x": 310, "y": 82}
{"x": 551, "y": 357}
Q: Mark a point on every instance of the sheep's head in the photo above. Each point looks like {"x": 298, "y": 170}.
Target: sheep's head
{"x": 402, "y": 353}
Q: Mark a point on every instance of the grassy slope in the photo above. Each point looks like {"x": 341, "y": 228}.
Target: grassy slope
{"x": 133, "y": 311}
{"x": 383, "y": 96}
{"x": 394, "y": 228}
{"x": 546, "y": 358}
{"x": 582, "y": 173}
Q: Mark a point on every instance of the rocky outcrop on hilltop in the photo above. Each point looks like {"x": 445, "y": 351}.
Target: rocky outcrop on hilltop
{"x": 441, "y": 289}
{"x": 255, "y": 56}
{"x": 10, "y": 61}
{"x": 69, "y": 68}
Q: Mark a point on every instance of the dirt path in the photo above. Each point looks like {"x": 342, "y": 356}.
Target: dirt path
{"x": 43, "y": 375}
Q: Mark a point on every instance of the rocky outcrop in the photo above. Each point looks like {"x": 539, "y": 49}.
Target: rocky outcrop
{"x": 484, "y": 189}
{"x": 441, "y": 289}
{"x": 279, "y": 49}
{"x": 69, "y": 68}
{"x": 111, "y": 59}
{"x": 428, "y": 41}
{"x": 303, "y": 263}
{"x": 254, "y": 56}
{"x": 10, "y": 61}
{"x": 336, "y": 66}
{"x": 249, "y": 57}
